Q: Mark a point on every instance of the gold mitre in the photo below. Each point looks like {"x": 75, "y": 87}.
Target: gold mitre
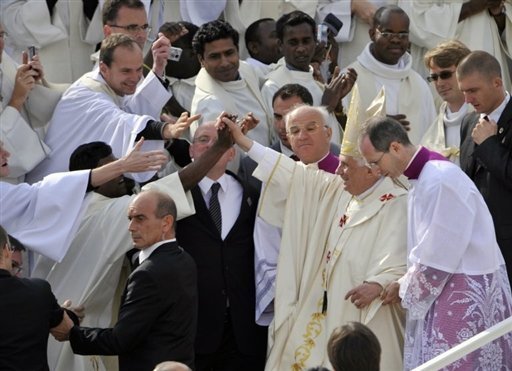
{"x": 357, "y": 115}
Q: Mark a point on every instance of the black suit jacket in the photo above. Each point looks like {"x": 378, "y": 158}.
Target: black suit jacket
{"x": 225, "y": 271}
{"x": 28, "y": 310}
{"x": 157, "y": 318}
{"x": 490, "y": 166}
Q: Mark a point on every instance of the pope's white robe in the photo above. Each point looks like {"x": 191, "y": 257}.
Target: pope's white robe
{"x": 436, "y": 138}
{"x": 90, "y": 271}
{"x": 90, "y": 111}
{"x": 367, "y": 245}
{"x": 44, "y": 216}
{"x": 22, "y": 132}
{"x": 434, "y": 22}
{"x": 282, "y": 75}
{"x": 405, "y": 91}
{"x": 65, "y": 40}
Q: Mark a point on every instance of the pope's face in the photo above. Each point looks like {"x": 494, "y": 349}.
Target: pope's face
{"x": 125, "y": 71}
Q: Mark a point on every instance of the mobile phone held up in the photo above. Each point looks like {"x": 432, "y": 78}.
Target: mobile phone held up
{"x": 31, "y": 51}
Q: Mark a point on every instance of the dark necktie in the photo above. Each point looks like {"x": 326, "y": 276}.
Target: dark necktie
{"x": 214, "y": 208}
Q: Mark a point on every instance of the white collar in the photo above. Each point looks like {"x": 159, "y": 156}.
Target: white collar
{"x": 398, "y": 71}
{"x": 206, "y": 183}
{"x": 495, "y": 115}
{"x": 146, "y": 253}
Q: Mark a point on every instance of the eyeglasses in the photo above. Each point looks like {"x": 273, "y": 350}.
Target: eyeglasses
{"x": 374, "y": 164}
{"x": 443, "y": 75}
{"x": 133, "y": 28}
{"x": 390, "y": 35}
{"x": 3, "y": 35}
{"x": 309, "y": 128}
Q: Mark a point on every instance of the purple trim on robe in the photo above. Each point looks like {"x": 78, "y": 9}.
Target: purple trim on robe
{"x": 329, "y": 163}
{"x": 424, "y": 155}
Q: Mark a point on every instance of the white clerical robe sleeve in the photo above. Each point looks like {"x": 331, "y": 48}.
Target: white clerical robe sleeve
{"x": 44, "y": 216}
{"x": 149, "y": 98}
{"x": 28, "y": 22}
{"x": 429, "y": 24}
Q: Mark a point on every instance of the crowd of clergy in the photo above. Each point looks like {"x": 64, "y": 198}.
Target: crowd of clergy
{"x": 337, "y": 174}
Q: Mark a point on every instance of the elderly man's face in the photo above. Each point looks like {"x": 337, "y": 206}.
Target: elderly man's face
{"x": 129, "y": 18}
{"x": 390, "y": 39}
{"x": 357, "y": 177}
{"x": 145, "y": 227}
{"x": 221, "y": 60}
{"x": 125, "y": 71}
{"x": 4, "y": 157}
{"x": 308, "y": 134}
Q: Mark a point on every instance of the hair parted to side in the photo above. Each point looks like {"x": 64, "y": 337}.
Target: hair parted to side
{"x": 293, "y": 90}
{"x": 111, "y": 8}
{"x": 446, "y": 54}
{"x": 479, "y": 62}
{"x": 292, "y": 19}
{"x": 110, "y": 43}
{"x": 88, "y": 155}
{"x": 354, "y": 347}
{"x": 212, "y": 31}
{"x": 382, "y": 131}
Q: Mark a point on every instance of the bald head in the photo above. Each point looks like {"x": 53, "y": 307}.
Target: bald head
{"x": 171, "y": 366}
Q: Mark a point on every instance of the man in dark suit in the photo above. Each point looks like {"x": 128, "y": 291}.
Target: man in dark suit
{"x": 157, "y": 318}
{"x": 219, "y": 238}
{"x": 486, "y": 141}
{"x": 30, "y": 301}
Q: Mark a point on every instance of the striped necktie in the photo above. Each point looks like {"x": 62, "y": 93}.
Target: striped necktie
{"x": 214, "y": 208}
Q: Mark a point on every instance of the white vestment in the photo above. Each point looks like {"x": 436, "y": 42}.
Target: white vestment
{"x": 238, "y": 97}
{"x": 22, "y": 132}
{"x": 183, "y": 90}
{"x": 443, "y": 135}
{"x": 282, "y": 75}
{"x": 353, "y": 36}
{"x": 90, "y": 111}
{"x": 405, "y": 91}
{"x": 44, "y": 216}
{"x": 90, "y": 271}
{"x": 456, "y": 285}
{"x": 434, "y": 22}
{"x": 65, "y": 40}
{"x": 322, "y": 250}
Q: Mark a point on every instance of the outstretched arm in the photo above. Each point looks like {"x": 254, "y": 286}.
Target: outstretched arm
{"x": 134, "y": 162}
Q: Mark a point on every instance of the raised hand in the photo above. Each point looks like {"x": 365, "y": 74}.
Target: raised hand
{"x": 174, "y": 129}
{"x": 339, "y": 87}
{"x": 24, "y": 82}
{"x": 137, "y": 161}
{"x": 160, "y": 52}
